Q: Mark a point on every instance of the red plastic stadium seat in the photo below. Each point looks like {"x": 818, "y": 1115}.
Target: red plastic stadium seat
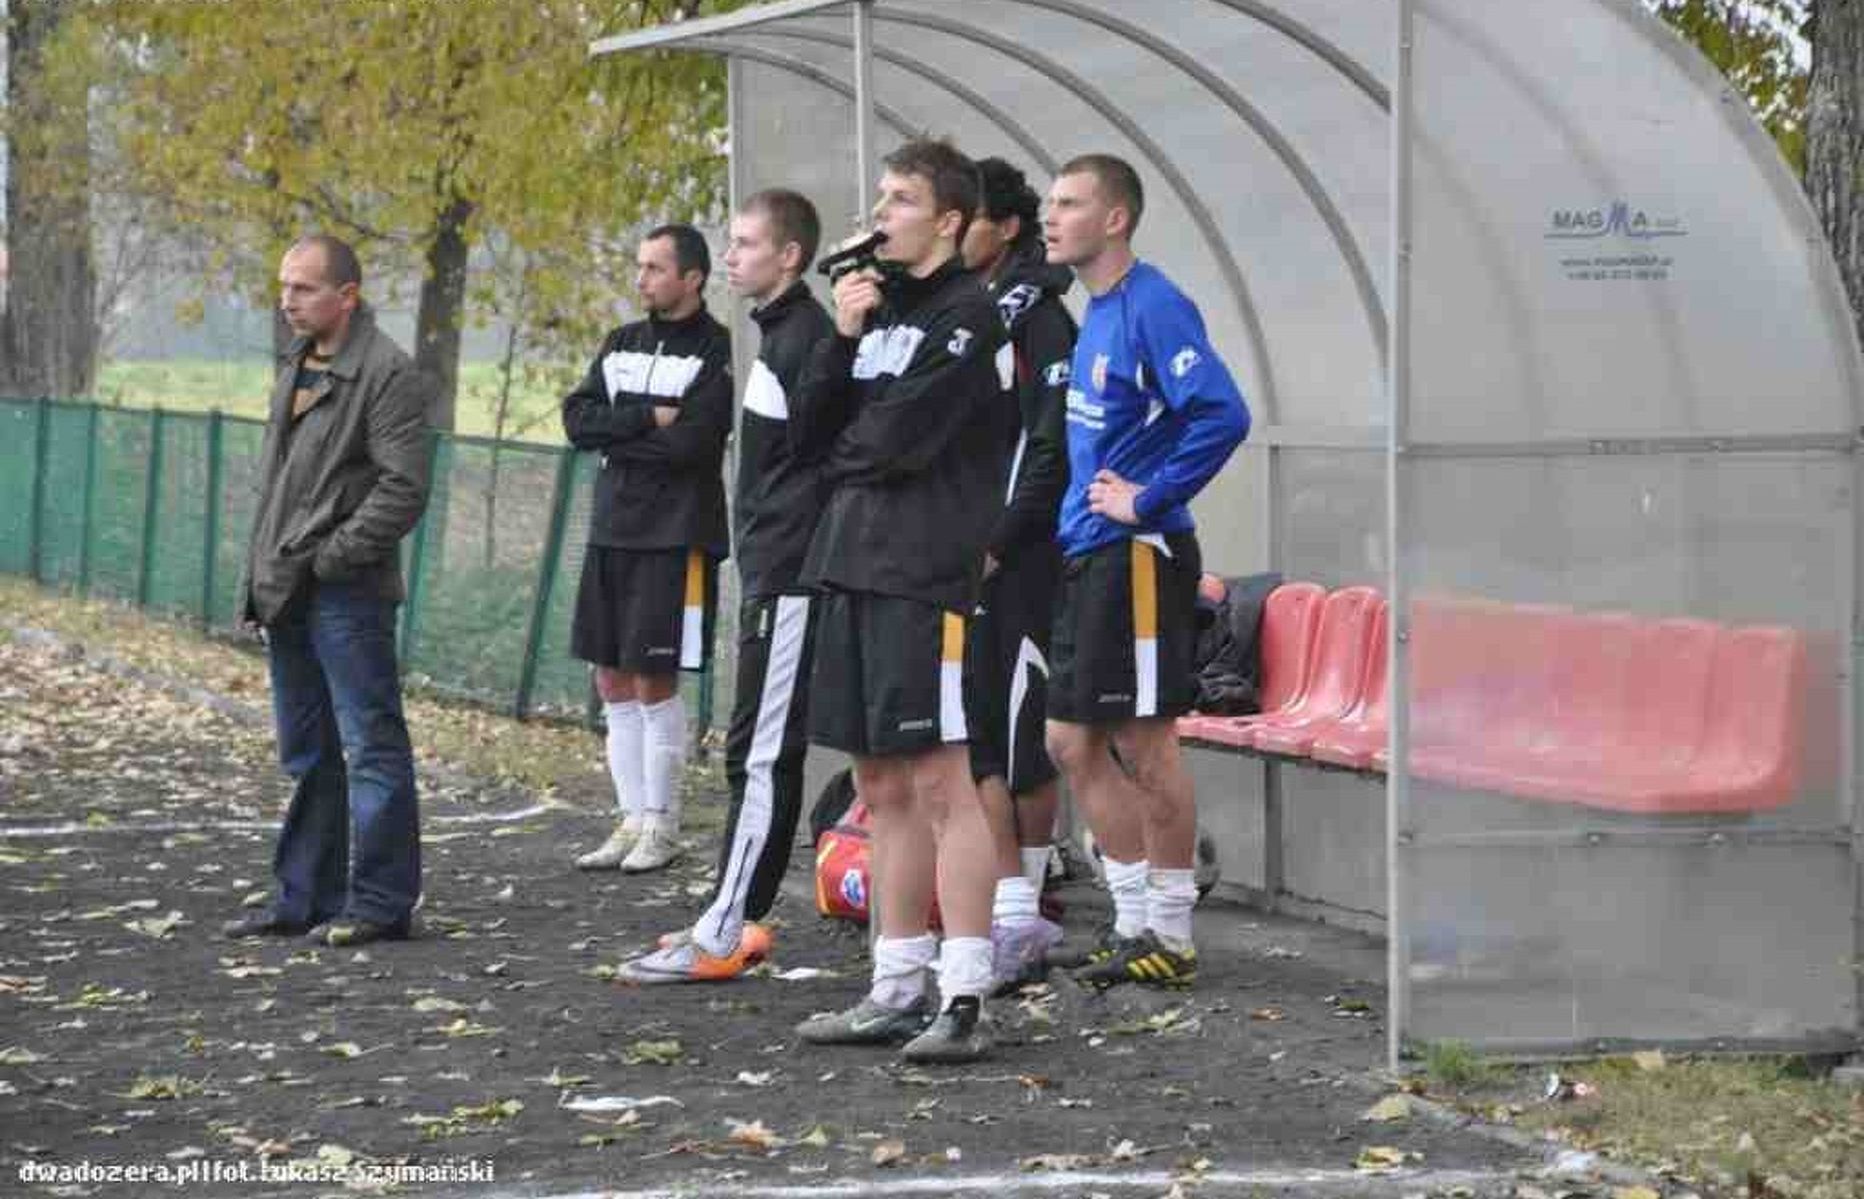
{"x": 1360, "y": 734}
{"x": 1660, "y": 713}
{"x": 1751, "y": 757}
{"x": 1623, "y": 695}
{"x": 1658, "y": 717}
{"x": 1290, "y": 617}
{"x": 1336, "y": 674}
{"x": 1290, "y": 621}
{"x": 1479, "y": 673}
{"x": 1605, "y": 710}
{"x": 1215, "y": 730}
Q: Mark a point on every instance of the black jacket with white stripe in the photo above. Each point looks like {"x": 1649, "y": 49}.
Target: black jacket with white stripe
{"x": 1039, "y": 353}
{"x": 913, "y": 415}
{"x": 658, "y": 488}
{"x": 780, "y": 484}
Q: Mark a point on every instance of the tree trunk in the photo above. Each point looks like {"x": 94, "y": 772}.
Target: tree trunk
{"x": 1835, "y": 138}
{"x": 48, "y": 331}
{"x": 500, "y": 413}
{"x": 443, "y": 301}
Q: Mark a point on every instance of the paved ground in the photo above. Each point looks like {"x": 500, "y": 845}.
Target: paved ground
{"x": 133, "y": 822}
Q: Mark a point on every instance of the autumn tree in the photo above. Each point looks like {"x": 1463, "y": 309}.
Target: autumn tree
{"x": 414, "y": 128}
{"x": 1758, "y": 45}
{"x": 48, "y": 329}
{"x": 1835, "y": 137}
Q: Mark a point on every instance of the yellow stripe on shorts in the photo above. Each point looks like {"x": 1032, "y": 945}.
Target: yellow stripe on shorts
{"x": 1145, "y": 592}
{"x": 692, "y": 620}
{"x": 952, "y": 648}
{"x": 1145, "y": 629}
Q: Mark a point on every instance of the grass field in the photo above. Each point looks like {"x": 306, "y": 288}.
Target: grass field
{"x": 239, "y": 388}
{"x": 1764, "y": 1128}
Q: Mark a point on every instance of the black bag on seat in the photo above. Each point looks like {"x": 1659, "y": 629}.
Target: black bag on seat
{"x": 1229, "y": 663}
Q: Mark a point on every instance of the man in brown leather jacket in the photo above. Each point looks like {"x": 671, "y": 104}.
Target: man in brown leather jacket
{"x": 343, "y": 478}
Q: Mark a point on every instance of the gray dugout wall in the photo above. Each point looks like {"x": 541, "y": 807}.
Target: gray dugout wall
{"x": 1529, "y": 298}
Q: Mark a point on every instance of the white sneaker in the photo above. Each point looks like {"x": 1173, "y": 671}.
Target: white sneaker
{"x": 609, "y": 854}
{"x": 1019, "y": 952}
{"x": 654, "y": 851}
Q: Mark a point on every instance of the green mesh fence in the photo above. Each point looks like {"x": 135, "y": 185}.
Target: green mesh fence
{"x": 240, "y": 443}
{"x": 177, "y": 581}
{"x": 562, "y": 683}
{"x": 119, "y": 503}
{"x": 68, "y": 439}
{"x": 19, "y": 471}
{"x": 487, "y": 523}
{"x": 156, "y": 508}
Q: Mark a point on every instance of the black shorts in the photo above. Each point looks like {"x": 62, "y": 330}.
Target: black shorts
{"x": 1126, "y": 632}
{"x": 645, "y": 611}
{"x": 888, "y": 675}
{"x": 1006, "y": 674}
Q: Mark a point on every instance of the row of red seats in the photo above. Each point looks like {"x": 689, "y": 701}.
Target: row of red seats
{"x": 1602, "y": 709}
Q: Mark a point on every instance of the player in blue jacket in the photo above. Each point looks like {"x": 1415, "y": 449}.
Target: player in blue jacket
{"x": 1153, "y": 415}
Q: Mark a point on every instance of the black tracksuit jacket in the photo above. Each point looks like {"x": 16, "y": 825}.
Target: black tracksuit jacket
{"x": 912, "y": 412}
{"x": 1041, "y": 344}
{"x": 658, "y": 488}
{"x": 781, "y": 485}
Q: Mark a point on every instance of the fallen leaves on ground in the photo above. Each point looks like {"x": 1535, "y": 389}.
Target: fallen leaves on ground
{"x": 467, "y": 1118}
{"x": 659, "y": 1053}
{"x": 616, "y": 1103}
{"x": 1388, "y": 1110}
{"x": 1383, "y": 1159}
{"x": 463, "y": 1027}
{"x": 435, "y": 1003}
{"x": 753, "y": 1134}
{"x": 167, "y": 1086}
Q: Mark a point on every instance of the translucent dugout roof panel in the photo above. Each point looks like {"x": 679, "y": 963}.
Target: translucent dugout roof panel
{"x": 1261, "y": 138}
{"x": 1532, "y": 317}
{"x": 1591, "y": 197}
{"x": 1605, "y": 245}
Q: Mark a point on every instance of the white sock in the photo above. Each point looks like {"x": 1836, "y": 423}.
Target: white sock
{"x": 1017, "y": 902}
{"x": 1035, "y": 865}
{"x": 900, "y": 968}
{"x": 964, "y": 969}
{"x": 1126, "y": 882}
{"x": 720, "y": 946}
{"x": 1170, "y": 896}
{"x": 626, "y": 762}
{"x": 665, "y": 724}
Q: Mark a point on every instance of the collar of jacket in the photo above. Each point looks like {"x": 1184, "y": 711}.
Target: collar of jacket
{"x": 906, "y": 292}
{"x": 348, "y": 362}
{"x": 662, "y": 326}
{"x": 1033, "y": 267}
{"x": 788, "y": 298}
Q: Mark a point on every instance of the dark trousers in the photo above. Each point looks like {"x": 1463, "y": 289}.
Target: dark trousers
{"x": 351, "y": 843}
{"x": 764, "y": 753}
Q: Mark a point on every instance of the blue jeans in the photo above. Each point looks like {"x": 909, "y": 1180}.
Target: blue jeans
{"x": 336, "y": 698}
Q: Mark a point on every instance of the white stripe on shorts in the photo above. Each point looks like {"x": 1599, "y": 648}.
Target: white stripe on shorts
{"x": 951, "y": 725}
{"x": 1028, "y": 658}
{"x": 1146, "y": 681}
{"x": 692, "y": 616}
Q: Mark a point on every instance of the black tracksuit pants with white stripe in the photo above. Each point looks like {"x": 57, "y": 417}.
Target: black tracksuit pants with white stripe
{"x": 764, "y": 753}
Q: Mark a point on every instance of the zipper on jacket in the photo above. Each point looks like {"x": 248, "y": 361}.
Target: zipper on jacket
{"x": 647, "y": 386}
